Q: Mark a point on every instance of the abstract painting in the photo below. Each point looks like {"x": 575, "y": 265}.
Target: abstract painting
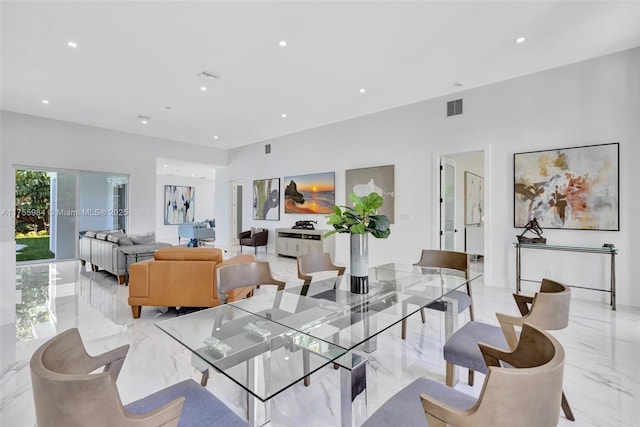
{"x": 179, "y": 204}
{"x": 473, "y": 198}
{"x": 266, "y": 199}
{"x": 379, "y": 179}
{"x": 569, "y": 188}
{"x": 310, "y": 194}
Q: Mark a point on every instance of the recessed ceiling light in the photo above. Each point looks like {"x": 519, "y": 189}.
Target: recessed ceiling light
{"x": 215, "y": 137}
{"x": 203, "y": 88}
{"x": 283, "y": 115}
{"x": 164, "y": 166}
{"x": 282, "y": 43}
{"x": 72, "y": 44}
{"x": 144, "y": 122}
{"x": 520, "y": 40}
{"x": 363, "y": 90}
{"x": 45, "y": 101}
{"x": 193, "y": 174}
{"x": 458, "y": 84}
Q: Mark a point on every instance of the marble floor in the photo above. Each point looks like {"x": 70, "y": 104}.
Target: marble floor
{"x": 601, "y": 381}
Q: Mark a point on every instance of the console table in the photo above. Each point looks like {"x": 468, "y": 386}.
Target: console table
{"x": 296, "y": 241}
{"x": 588, "y": 249}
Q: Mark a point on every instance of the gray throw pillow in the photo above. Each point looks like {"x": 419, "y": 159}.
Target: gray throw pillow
{"x": 113, "y": 237}
{"x": 143, "y": 239}
{"x": 125, "y": 240}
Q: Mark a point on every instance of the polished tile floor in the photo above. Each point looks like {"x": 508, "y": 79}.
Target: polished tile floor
{"x": 602, "y": 382}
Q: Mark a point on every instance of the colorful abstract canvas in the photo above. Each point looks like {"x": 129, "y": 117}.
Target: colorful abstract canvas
{"x": 179, "y": 204}
{"x": 310, "y": 194}
{"x": 569, "y": 188}
{"x": 266, "y": 199}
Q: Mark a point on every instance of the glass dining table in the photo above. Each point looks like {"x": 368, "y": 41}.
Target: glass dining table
{"x": 271, "y": 341}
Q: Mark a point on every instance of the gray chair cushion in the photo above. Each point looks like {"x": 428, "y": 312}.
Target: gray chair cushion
{"x": 462, "y": 348}
{"x": 464, "y": 301}
{"x": 201, "y": 408}
{"x": 405, "y": 407}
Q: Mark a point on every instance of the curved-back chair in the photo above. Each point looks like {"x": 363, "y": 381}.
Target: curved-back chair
{"x": 548, "y": 310}
{"x": 238, "y": 278}
{"x": 526, "y": 394}
{"x": 67, "y": 393}
{"x": 244, "y": 275}
{"x": 451, "y": 260}
{"x": 315, "y": 263}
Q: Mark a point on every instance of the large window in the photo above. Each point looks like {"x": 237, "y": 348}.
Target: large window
{"x": 54, "y": 207}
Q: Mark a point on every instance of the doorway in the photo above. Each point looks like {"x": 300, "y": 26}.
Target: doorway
{"x": 461, "y": 207}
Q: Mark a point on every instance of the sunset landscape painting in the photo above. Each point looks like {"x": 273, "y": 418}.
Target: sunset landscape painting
{"x": 310, "y": 194}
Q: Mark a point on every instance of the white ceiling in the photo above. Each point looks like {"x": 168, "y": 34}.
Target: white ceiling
{"x": 137, "y": 57}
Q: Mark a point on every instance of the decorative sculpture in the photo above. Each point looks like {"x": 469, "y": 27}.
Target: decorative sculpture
{"x": 535, "y": 228}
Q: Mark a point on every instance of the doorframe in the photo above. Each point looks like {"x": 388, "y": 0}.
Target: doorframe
{"x": 233, "y": 224}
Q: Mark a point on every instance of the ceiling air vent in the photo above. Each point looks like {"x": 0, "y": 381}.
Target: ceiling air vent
{"x": 454, "y": 107}
{"x": 208, "y": 75}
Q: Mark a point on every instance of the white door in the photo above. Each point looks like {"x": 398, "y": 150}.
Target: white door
{"x": 447, "y": 204}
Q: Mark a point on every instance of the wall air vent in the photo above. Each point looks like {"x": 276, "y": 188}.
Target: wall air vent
{"x": 208, "y": 75}
{"x": 454, "y": 107}
{"x": 267, "y": 149}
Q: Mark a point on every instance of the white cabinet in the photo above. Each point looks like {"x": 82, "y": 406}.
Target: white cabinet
{"x": 293, "y": 242}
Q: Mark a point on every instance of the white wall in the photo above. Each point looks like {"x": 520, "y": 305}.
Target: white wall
{"x": 204, "y": 203}
{"x": 591, "y": 102}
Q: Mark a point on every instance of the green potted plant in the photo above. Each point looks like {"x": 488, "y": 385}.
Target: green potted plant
{"x": 360, "y": 221}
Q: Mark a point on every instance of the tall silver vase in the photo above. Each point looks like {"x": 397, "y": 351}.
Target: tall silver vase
{"x": 359, "y": 263}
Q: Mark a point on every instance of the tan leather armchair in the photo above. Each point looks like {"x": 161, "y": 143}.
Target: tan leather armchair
{"x": 180, "y": 277}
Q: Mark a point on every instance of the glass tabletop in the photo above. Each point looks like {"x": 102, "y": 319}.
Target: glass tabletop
{"x": 329, "y": 311}
{"x": 262, "y": 356}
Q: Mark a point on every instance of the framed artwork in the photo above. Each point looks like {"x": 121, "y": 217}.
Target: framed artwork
{"x": 179, "y": 204}
{"x": 266, "y": 199}
{"x": 379, "y": 179}
{"x": 570, "y": 188}
{"x": 473, "y": 198}
{"x": 310, "y": 194}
